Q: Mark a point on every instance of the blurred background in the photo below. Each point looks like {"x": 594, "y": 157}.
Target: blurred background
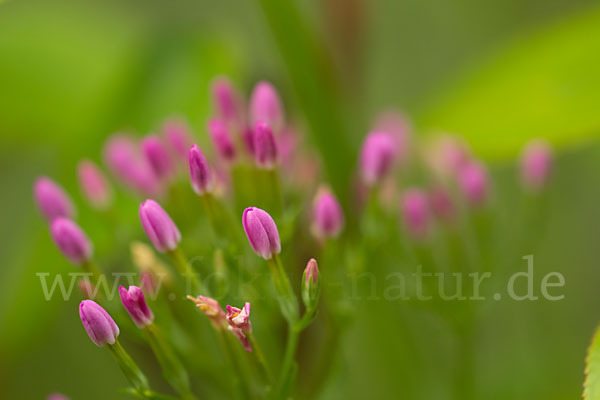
{"x": 498, "y": 72}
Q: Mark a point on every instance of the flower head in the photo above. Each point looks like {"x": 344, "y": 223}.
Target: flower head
{"x": 221, "y": 139}
{"x": 239, "y": 323}
{"x": 262, "y": 232}
{"x": 227, "y": 101}
{"x": 211, "y": 308}
{"x": 200, "y": 174}
{"x": 123, "y": 157}
{"x": 265, "y": 147}
{"x": 94, "y": 185}
{"x": 474, "y": 183}
{"x": 71, "y": 240}
{"x": 377, "y": 157}
{"x": 159, "y": 227}
{"x": 98, "y": 324}
{"x": 415, "y": 211}
{"x": 398, "y": 126}
{"x": 328, "y": 218}
{"x": 177, "y": 135}
{"x": 536, "y": 164}
{"x": 135, "y": 303}
{"x": 157, "y": 156}
{"x": 52, "y": 200}
{"x": 265, "y": 106}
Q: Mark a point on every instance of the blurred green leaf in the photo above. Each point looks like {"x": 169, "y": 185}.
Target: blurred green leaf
{"x": 545, "y": 84}
{"x": 592, "y": 370}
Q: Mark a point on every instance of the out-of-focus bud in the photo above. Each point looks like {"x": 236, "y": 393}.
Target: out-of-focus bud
{"x": 145, "y": 259}
{"x": 94, "y": 185}
{"x": 98, "y": 324}
{"x": 310, "y": 284}
{"x": 135, "y": 303}
{"x": 211, "y": 308}
{"x": 86, "y": 288}
{"x": 177, "y": 135}
{"x": 248, "y": 138}
{"x": 328, "y": 218}
{"x": 415, "y": 213}
{"x": 159, "y": 227}
{"x": 448, "y": 155}
{"x": 200, "y": 174}
{"x": 221, "y": 139}
{"x": 536, "y": 164}
{"x": 227, "y": 102}
{"x": 377, "y": 157}
{"x": 398, "y": 126}
{"x": 52, "y": 200}
{"x": 123, "y": 157}
{"x": 265, "y": 106}
{"x": 71, "y": 240}
{"x": 261, "y": 232}
{"x": 56, "y": 396}
{"x": 148, "y": 282}
{"x": 158, "y": 157}
{"x": 265, "y": 147}
{"x": 239, "y": 323}
{"x": 441, "y": 204}
{"x": 474, "y": 183}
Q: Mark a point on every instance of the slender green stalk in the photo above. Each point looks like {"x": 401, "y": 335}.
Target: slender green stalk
{"x": 287, "y": 300}
{"x": 185, "y": 269}
{"x": 91, "y": 267}
{"x": 274, "y": 186}
{"x": 132, "y": 372}
{"x": 465, "y": 371}
{"x": 225, "y": 339}
{"x": 288, "y": 368}
{"x": 173, "y": 370}
{"x": 260, "y": 358}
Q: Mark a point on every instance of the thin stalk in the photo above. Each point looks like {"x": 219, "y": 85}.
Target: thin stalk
{"x": 90, "y": 266}
{"x": 186, "y": 270}
{"x": 132, "y": 372}
{"x": 225, "y": 339}
{"x": 464, "y": 384}
{"x": 260, "y": 358}
{"x": 287, "y": 300}
{"x": 173, "y": 370}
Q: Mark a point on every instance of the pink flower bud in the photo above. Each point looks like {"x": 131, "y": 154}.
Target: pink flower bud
{"x": 261, "y": 232}
{"x": 71, "y": 240}
{"x": 135, "y": 303}
{"x": 200, "y": 174}
{"x": 378, "y": 155}
{"x": 265, "y": 106}
{"x": 221, "y": 139}
{"x": 536, "y": 164}
{"x": 148, "y": 282}
{"x": 57, "y": 396}
{"x": 415, "y": 212}
{"x": 211, "y": 308}
{"x": 159, "y": 227}
{"x": 227, "y": 102}
{"x": 239, "y": 323}
{"x": 311, "y": 272}
{"x": 94, "y": 185}
{"x": 248, "y": 138}
{"x": 441, "y": 203}
{"x": 98, "y": 324}
{"x": 448, "y": 155}
{"x": 157, "y": 156}
{"x": 398, "y": 126}
{"x": 52, "y": 200}
{"x": 124, "y": 159}
{"x": 327, "y": 214}
{"x": 473, "y": 182}
{"x": 177, "y": 135}
{"x": 265, "y": 147}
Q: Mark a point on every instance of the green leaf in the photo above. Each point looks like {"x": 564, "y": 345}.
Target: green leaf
{"x": 592, "y": 370}
{"x": 542, "y": 85}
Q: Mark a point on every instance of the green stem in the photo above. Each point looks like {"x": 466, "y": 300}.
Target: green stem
{"x": 91, "y": 267}
{"x": 173, "y": 370}
{"x": 287, "y": 300}
{"x": 186, "y": 270}
{"x": 132, "y": 372}
{"x": 230, "y": 359}
{"x": 288, "y": 366}
{"x": 464, "y": 384}
{"x": 260, "y": 358}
